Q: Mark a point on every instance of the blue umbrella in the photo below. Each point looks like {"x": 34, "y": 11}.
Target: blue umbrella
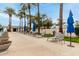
{"x": 24, "y": 28}
{"x": 70, "y": 27}
{"x": 34, "y": 27}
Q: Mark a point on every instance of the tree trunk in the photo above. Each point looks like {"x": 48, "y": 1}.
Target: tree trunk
{"x": 48, "y": 25}
{"x": 30, "y": 16}
{"x": 10, "y": 22}
{"x": 24, "y": 25}
{"x": 61, "y": 18}
{"x": 20, "y": 26}
{"x": 38, "y": 19}
{"x": 25, "y": 21}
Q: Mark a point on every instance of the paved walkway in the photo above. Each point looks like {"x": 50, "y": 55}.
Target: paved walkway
{"x": 25, "y": 45}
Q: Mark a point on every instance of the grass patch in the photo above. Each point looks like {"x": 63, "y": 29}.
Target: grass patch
{"x": 75, "y": 39}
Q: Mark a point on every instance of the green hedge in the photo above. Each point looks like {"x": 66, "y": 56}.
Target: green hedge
{"x": 47, "y": 35}
{"x": 77, "y": 31}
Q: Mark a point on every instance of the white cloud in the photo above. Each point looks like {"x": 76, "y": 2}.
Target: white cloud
{"x": 2, "y": 15}
{"x": 5, "y": 18}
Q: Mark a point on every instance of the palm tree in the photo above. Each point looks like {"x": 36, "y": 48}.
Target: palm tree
{"x": 38, "y": 18}
{"x": 61, "y": 18}
{"x": 10, "y": 12}
{"x": 20, "y": 15}
{"x": 42, "y": 17}
{"x": 28, "y": 6}
{"x": 23, "y": 9}
{"x": 47, "y": 23}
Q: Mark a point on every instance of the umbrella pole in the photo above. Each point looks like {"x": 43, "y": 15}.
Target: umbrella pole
{"x": 70, "y": 41}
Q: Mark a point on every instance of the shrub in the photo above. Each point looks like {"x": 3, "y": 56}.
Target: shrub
{"x": 47, "y": 35}
{"x": 77, "y": 31}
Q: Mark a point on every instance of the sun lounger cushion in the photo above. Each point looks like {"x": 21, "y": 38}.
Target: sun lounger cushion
{"x": 59, "y": 36}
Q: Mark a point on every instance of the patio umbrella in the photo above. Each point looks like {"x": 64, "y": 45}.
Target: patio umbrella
{"x": 24, "y": 28}
{"x": 70, "y": 27}
{"x": 34, "y": 27}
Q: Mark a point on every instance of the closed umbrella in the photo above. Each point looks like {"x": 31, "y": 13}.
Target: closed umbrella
{"x": 24, "y": 28}
{"x": 70, "y": 27}
{"x": 34, "y": 27}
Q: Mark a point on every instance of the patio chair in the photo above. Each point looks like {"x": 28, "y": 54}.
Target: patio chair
{"x": 57, "y": 37}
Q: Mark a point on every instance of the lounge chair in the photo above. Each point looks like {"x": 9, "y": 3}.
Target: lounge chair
{"x": 57, "y": 37}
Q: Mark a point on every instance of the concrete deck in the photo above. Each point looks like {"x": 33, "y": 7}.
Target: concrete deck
{"x": 25, "y": 45}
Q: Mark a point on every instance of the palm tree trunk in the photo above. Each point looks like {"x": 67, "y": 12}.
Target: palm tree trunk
{"x": 48, "y": 26}
{"x": 61, "y": 18}
{"x": 27, "y": 24}
{"x": 24, "y": 24}
{"x": 38, "y": 19}
{"x": 30, "y": 16}
{"x": 10, "y": 22}
{"x": 20, "y": 26}
{"x": 25, "y": 21}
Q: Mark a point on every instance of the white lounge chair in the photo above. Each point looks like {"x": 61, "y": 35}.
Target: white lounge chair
{"x": 57, "y": 37}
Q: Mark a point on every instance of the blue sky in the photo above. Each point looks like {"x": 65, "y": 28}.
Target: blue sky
{"x": 51, "y": 10}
